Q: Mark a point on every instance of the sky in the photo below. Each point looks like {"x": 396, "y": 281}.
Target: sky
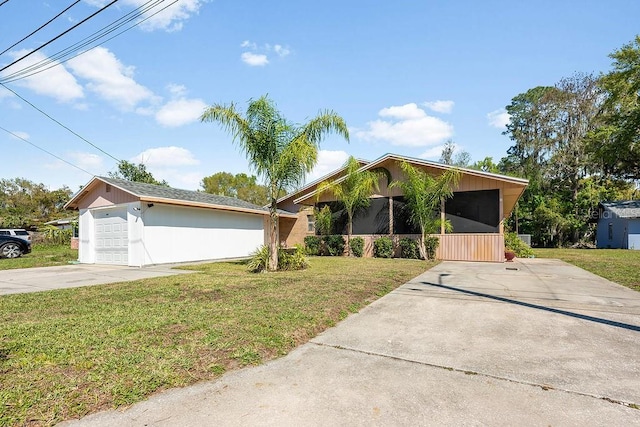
{"x": 406, "y": 76}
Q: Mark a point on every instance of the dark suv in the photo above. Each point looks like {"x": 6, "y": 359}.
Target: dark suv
{"x": 13, "y": 247}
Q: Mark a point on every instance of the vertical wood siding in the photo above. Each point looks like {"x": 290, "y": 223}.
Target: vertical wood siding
{"x": 471, "y": 247}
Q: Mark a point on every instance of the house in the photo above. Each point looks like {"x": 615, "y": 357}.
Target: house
{"x": 136, "y": 224}
{"x": 477, "y": 211}
{"x": 67, "y": 224}
{"x": 619, "y": 225}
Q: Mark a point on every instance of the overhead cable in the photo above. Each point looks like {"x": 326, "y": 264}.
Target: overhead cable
{"x": 59, "y": 123}
{"x": 42, "y": 149}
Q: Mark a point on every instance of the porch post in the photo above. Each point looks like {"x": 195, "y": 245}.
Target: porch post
{"x": 391, "y": 215}
{"x": 501, "y": 210}
{"x": 442, "y": 217}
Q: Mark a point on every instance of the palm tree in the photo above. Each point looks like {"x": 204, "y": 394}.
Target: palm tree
{"x": 280, "y": 152}
{"x": 424, "y": 195}
{"x": 354, "y": 190}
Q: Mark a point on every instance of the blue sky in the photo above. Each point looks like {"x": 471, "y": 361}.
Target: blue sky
{"x": 406, "y": 76}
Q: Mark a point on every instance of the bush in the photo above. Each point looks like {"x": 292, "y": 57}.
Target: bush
{"x": 514, "y": 244}
{"x": 383, "y": 247}
{"x": 292, "y": 259}
{"x": 53, "y": 235}
{"x": 409, "y": 248}
{"x": 312, "y": 245}
{"x": 431, "y": 244}
{"x": 334, "y": 244}
{"x": 288, "y": 259}
{"x": 357, "y": 246}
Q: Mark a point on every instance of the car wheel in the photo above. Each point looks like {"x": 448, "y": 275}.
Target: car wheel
{"x": 10, "y": 250}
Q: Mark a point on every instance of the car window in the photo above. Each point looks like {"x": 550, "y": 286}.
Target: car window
{"x": 22, "y": 233}
{"x": 4, "y": 232}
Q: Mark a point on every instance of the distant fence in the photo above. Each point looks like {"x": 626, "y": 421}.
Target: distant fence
{"x": 525, "y": 238}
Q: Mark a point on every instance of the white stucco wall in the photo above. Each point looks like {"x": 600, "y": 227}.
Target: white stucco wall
{"x": 179, "y": 234}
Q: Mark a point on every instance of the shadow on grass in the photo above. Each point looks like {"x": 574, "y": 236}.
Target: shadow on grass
{"x": 535, "y": 306}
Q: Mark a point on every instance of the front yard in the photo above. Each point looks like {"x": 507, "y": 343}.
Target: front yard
{"x": 66, "y": 353}
{"x": 42, "y": 255}
{"x": 618, "y": 265}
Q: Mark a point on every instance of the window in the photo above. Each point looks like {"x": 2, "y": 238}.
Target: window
{"x": 610, "y": 231}
{"x": 108, "y": 188}
{"x": 311, "y": 224}
{"x": 474, "y": 211}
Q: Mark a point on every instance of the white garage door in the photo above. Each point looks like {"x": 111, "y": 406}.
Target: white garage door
{"x": 112, "y": 242}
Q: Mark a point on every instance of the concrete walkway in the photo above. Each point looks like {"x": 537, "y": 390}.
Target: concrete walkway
{"x": 535, "y": 342}
{"x": 25, "y": 280}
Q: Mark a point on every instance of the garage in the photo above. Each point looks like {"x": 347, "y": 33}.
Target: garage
{"x": 111, "y": 240}
{"x": 137, "y": 224}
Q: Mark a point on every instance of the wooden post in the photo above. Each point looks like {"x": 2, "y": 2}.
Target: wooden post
{"x": 443, "y": 217}
{"x": 501, "y": 210}
{"x": 391, "y": 215}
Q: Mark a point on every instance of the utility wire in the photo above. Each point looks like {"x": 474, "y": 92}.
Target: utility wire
{"x": 41, "y": 66}
{"x": 59, "y": 123}
{"x": 40, "y": 27}
{"x": 42, "y": 149}
{"x": 3, "y": 2}
{"x": 59, "y": 35}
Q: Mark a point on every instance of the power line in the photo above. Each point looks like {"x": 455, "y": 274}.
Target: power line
{"x": 41, "y": 66}
{"x": 40, "y": 27}
{"x": 59, "y": 123}
{"x": 3, "y": 2}
{"x": 59, "y": 35}
{"x": 42, "y": 149}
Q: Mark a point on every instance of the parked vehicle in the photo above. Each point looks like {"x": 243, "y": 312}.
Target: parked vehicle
{"x": 13, "y": 247}
{"x": 16, "y": 232}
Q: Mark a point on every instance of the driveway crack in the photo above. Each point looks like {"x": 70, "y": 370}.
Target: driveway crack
{"x": 545, "y": 387}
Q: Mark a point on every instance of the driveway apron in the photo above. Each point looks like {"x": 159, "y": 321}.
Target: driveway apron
{"x": 534, "y": 342}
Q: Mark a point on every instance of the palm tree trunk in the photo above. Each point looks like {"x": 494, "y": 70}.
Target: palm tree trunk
{"x": 349, "y": 231}
{"x": 273, "y": 237}
{"x": 421, "y": 247}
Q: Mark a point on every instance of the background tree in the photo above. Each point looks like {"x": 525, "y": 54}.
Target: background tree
{"x": 135, "y": 172}
{"x": 452, "y": 156}
{"x": 354, "y": 190}
{"x": 280, "y": 152}
{"x": 240, "y": 186}
{"x": 24, "y": 203}
{"x": 424, "y": 195}
{"x": 617, "y": 142}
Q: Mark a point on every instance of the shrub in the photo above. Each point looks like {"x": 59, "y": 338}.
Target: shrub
{"x": 323, "y": 220}
{"x": 383, "y": 247}
{"x": 259, "y": 260}
{"x": 289, "y": 259}
{"x": 312, "y": 245}
{"x": 514, "y": 244}
{"x": 53, "y": 235}
{"x": 431, "y": 244}
{"x": 357, "y": 246}
{"x": 334, "y": 244}
{"x": 409, "y": 248}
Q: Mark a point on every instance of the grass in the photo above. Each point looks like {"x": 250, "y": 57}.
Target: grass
{"x": 67, "y": 353}
{"x": 41, "y": 256}
{"x": 617, "y": 265}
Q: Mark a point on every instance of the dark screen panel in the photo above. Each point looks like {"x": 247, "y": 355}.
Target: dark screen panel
{"x": 474, "y": 211}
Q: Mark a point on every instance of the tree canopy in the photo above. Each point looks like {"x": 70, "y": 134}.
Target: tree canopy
{"x": 24, "y": 203}
{"x": 135, "y": 172}
{"x": 241, "y": 186}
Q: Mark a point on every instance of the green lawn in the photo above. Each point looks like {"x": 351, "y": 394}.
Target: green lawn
{"x": 66, "y": 353}
{"x": 41, "y": 256}
{"x": 618, "y": 265}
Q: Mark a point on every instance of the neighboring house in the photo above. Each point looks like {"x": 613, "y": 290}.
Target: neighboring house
{"x": 135, "y": 224}
{"x": 62, "y": 224}
{"x": 619, "y": 225}
{"x": 477, "y": 211}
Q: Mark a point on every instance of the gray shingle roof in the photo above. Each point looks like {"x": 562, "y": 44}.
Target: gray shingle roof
{"x": 624, "y": 208}
{"x": 140, "y": 189}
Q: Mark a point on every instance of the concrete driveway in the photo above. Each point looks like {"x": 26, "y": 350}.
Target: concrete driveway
{"x": 25, "y": 280}
{"x": 534, "y": 342}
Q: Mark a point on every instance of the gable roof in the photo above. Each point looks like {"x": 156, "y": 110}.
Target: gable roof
{"x": 624, "y": 208}
{"x": 152, "y": 193}
{"x": 421, "y": 162}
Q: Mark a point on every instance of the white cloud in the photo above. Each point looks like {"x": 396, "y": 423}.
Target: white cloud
{"x": 170, "y": 19}
{"x": 177, "y": 90}
{"x": 254, "y": 59}
{"x": 249, "y": 45}
{"x": 109, "y": 78}
{"x": 180, "y": 112}
{"x": 499, "y": 118}
{"x": 163, "y": 157}
{"x": 433, "y": 153}
{"x": 328, "y": 161}
{"x": 20, "y": 135}
{"x": 91, "y": 162}
{"x": 440, "y": 106}
{"x": 55, "y": 82}
{"x": 281, "y": 51}
{"x": 407, "y": 125}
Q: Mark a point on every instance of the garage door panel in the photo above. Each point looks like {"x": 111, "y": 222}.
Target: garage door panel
{"x": 112, "y": 243}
